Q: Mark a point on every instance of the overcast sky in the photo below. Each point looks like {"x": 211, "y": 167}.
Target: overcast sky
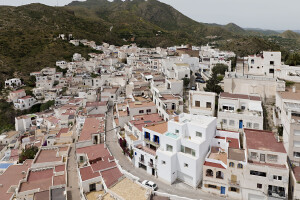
{"x": 265, "y": 14}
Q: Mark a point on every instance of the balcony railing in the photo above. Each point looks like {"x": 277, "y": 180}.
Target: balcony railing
{"x": 156, "y": 144}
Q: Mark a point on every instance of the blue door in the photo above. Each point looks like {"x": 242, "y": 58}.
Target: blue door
{"x": 222, "y": 190}
{"x": 241, "y": 124}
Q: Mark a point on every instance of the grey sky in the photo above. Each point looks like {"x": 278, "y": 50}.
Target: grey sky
{"x": 266, "y": 14}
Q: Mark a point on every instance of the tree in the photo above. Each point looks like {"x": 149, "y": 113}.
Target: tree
{"x": 47, "y": 105}
{"x": 31, "y": 81}
{"x": 220, "y": 69}
{"x": 212, "y": 85}
{"x": 28, "y": 153}
{"x": 186, "y": 82}
{"x": 293, "y": 59}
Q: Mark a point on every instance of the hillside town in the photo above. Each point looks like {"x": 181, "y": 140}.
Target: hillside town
{"x": 132, "y": 123}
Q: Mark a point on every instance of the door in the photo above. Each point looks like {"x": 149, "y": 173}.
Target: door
{"x": 153, "y": 172}
{"x": 222, "y": 190}
{"x": 241, "y": 124}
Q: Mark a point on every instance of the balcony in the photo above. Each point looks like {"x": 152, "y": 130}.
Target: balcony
{"x": 156, "y": 144}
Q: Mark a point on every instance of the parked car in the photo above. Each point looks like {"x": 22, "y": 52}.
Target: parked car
{"x": 198, "y": 74}
{"x": 194, "y": 87}
{"x": 150, "y": 184}
{"x": 200, "y": 80}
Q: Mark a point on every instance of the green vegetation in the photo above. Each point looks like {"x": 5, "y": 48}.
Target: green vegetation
{"x": 186, "y": 82}
{"x": 47, "y": 105}
{"x": 28, "y": 153}
{"x": 293, "y": 59}
{"x": 289, "y": 83}
{"x": 220, "y": 69}
{"x": 212, "y": 85}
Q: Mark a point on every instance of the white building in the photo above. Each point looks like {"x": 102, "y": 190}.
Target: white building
{"x": 287, "y": 114}
{"x": 202, "y": 103}
{"x": 236, "y": 111}
{"x": 14, "y": 82}
{"x": 176, "y": 149}
{"x": 25, "y": 103}
{"x": 264, "y": 64}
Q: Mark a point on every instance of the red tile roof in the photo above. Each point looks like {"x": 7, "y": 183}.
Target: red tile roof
{"x": 60, "y": 168}
{"x": 87, "y": 173}
{"x": 12, "y": 175}
{"x": 38, "y": 179}
{"x": 91, "y": 126}
{"x": 296, "y": 171}
{"x": 263, "y": 140}
{"x": 141, "y": 120}
{"x": 47, "y": 155}
{"x": 111, "y": 176}
{"x": 211, "y": 164}
{"x": 59, "y": 180}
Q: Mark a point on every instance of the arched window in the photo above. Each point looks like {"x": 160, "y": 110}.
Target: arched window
{"x": 220, "y": 175}
{"x": 240, "y": 166}
{"x": 209, "y": 172}
{"x": 231, "y": 164}
{"x": 252, "y": 61}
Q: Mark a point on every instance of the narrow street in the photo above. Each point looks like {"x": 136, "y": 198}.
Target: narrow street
{"x": 178, "y": 188}
{"x": 73, "y": 187}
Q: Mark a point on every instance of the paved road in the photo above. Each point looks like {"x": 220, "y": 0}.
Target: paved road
{"x": 73, "y": 187}
{"x": 179, "y": 189}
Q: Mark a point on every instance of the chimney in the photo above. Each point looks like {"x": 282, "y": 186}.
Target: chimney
{"x": 294, "y": 89}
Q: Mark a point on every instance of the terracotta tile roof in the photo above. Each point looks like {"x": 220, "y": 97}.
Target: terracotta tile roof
{"x": 12, "y": 175}
{"x": 236, "y": 154}
{"x": 59, "y": 180}
{"x": 60, "y": 168}
{"x": 87, "y": 173}
{"x": 18, "y": 91}
{"x": 211, "y": 164}
{"x": 94, "y": 152}
{"x": 63, "y": 130}
{"x": 263, "y": 140}
{"x": 296, "y": 171}
{"x": 111, "y": 176}
{"x": 91, "y": 126}
{"x": 38, "y": 179}
{"x": 141, "y": 104}
{"x": 47, "y": 155}
{"x": 141, "y": 120}
{"x": 44, "y": 195}
{"x": 239, "y": 96}
{"x": 159, "y": 127}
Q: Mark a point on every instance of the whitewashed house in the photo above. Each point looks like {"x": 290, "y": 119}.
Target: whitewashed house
{"x": 202, "y": 103}
{"x": 14, "y": 82}
{"x": 236, "y": 111}
{"x": 25, "y": 103}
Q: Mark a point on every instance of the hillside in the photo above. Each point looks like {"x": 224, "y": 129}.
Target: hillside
{"x": 290, "y": 35}
{"x": 28, "y": 33}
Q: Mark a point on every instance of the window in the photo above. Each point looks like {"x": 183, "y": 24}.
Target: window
{"x": 256, "y": 126}
{"x": 252, "y": 61}
{"x": 272, "y": 158}
{"x": 208, "y": 104}
{"x": 212, "y": 186}
{"x": 259, "y": 186}
{"x": 169, "y": 148}
{"x": 141, "y": 111}
{"x": 296, "y": 143}
{"x": 176, "y": 131}
{"x": 198, "y": 134}
{"x": 277, "y": 177}
{"x": 163, "y": 162}
{"x": 249, "y": 125}
{"x": 271, "y": 71}
{"x": 257, "y": 173}
{"x": 297, "y": 154}
{"x": 224, "y": 121}
{"x": 209, "y": 172}
{"x": 220, "y": 175}
{"x": 186, "y": 165}
{"x": 231, "y": 164}
{"x": 243, "y": 107}
{"x": 188, "y": 150}
{"x": 240, "y": 166}
{"x": 271, "y": 62}
{"x": 231, "y": 122}
{"x": 148, "y": 110}
{"x": 233, "y": 189}
{"x": 253, "y": 155}
{"x": 197, "y": 103}
{"x": 262, "y": 157}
